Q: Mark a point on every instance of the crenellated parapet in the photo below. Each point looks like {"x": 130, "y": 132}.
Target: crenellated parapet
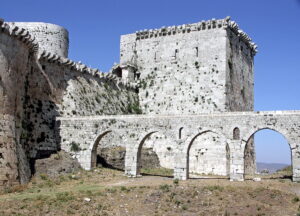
{"x": 50, "y": 37}
{"x": 21, "y": 34}
{"x": 200, "y": 26}
{"x": 242, "y": 35}
{"x": 82, "y": 68}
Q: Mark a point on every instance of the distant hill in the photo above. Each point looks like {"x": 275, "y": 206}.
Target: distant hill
{"x": 272, "y": 167}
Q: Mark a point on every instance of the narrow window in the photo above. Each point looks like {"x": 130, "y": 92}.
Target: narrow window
{"x": 138, "y": 75}
{"x": 180, "y": 132}
{"x": 236, "y": 133}
{"x": 196, "y": 51}
{"x": 175, "y": 54}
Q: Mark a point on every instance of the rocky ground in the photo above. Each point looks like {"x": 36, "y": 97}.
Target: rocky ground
{"x": 115, "y": 157}
{"x": 107, "y": 192}
{"x": 56, "y": 165}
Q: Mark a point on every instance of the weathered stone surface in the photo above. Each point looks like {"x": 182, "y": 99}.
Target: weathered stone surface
{"x": 15, "y": 58}
{"x": 191, "y": 69}
{"x": 134, "y": 131}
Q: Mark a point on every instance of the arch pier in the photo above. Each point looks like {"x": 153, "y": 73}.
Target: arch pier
{"x": 131, "y": 132}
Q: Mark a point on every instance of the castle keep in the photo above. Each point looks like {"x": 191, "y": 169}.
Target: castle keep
{"x": 186, "y": 92}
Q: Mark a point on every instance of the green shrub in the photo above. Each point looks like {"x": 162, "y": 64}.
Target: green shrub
{"x": 176, "y": 181}
{"x": 295, "y": 199}
{"x": 214, "y": 187}
{"x": 64, "y": 196}
{"x": 165, "y": 187}
{"x": 44, "y": 176}
{"x": 111, "y": 190}
{"x": 177, "y": 202}
{"x": 124, "y": 189}
{"x": 134, "y": 108}
{"x": 75, "y": 147}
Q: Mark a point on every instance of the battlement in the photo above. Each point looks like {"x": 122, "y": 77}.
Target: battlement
{"x": 30, "y": 41}
{"x": 50, "y": 37}
{"x": 82, "y": 68}
{"x": 200, "y": 26}
{"x": 20, "y": 34}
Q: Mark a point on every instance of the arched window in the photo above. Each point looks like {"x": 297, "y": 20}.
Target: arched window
{"x": 236, "y": 133}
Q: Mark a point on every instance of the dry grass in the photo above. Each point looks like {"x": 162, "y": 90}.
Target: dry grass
{"x": 111, "y": 193}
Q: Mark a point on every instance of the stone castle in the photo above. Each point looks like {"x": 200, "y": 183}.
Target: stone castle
{"x": 186, "y": 92}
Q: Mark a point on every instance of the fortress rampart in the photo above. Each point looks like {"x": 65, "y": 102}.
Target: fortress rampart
{"x": 38, "y": 85}
{"x": 166, "y": 77}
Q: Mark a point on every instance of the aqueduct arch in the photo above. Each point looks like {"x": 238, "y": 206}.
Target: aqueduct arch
{"x": 139, "y": 152}
{"x": 278, "y": 130}
{"x": 286, "y": 123}
{"x": 182, "y": 160}
{"x": 133, "y": 154}
{"x": 94, "y": 148}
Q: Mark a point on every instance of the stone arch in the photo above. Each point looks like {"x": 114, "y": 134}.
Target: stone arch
{"x": 190, "y": 142}
{"x": 134, "y": 152}
{"x": 95, "y": 146}
{"x": 250, "y": 137}
{"x": 139, "y": 151}
{"x": 281, "y": 131}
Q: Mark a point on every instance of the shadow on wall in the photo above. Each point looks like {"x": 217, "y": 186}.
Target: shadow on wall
{"x": 104, "y": 155}
{"x": 208, "y": 154}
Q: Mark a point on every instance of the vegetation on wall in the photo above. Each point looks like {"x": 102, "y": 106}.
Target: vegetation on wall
{"x": 75, "y": 147}
{"x": 134, "y": 108}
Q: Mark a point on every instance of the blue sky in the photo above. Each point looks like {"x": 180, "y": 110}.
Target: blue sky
{"x": 95, "y": 27}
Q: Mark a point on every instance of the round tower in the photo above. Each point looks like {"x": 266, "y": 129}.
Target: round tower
{"x": 51, "y": 38}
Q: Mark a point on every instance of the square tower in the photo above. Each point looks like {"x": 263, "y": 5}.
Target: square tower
{"x": 190, "y": 69}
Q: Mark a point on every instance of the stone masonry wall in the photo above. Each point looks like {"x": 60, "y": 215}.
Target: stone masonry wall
{"x": 16, "y": 53}
{"x": 180, "y": 74}
{"x": 240, "y": 84}
{"x": 239, "y": 74}
{"x": 51, "y": 38}
{"x": 131, "y": 131}
{"x": 62, "y": 90}
{"x": 37, "y": 86}
{"x": 191, "y": 69}
{"x": 208, "y": 155}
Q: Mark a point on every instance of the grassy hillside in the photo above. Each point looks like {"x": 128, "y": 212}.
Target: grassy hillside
{"x": 108, "y": 192}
